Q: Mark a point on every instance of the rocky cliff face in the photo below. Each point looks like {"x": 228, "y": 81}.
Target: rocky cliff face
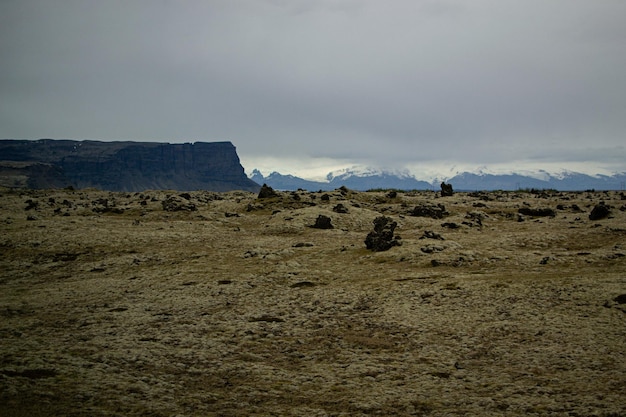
{"x": 122, "y": 166}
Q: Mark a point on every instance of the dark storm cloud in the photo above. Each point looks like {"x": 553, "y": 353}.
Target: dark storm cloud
{"x": 375, "y": 82}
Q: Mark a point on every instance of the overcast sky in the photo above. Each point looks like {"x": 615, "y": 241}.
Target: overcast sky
{"x": 305, "y": 86}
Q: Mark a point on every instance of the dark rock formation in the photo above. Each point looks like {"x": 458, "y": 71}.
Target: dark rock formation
{"x": 178, "y": 203}
{"x": 340, "y": 208}
{"x": 267, "y": 192}
{"x": 382, "y": 238}
{"x": 599, "y": 212}
{"x": 429, "y": 234}
{"x": 122, "y": 166}
{"x": 432, "y": 248}
{"x": 446, "y": 190}
{"x": 429, "y": 210}
{"x": 322, "y": 222}
{"x": 537, "y": 212}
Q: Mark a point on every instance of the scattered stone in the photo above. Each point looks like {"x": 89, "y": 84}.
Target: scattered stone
{"x": 382, "y": 238}
{"x": 432, "y": 248}
{"x": 599, "y": 212}
{"x": 254, "y": 207}
{"x": 430, "y": 210}
{"x": 545, "y": 260}
{"x": 537, "y": 212}
{"x": 267, "y": 192}
{"x": 340, "y": 208}
{"x": 104, "y": 205}
{"x": 446, "y": 190}
{"x": 482, "y": 195}
{"x": 325, "y": 197}
{"x": 31, "y": 217}
{"x": 475, "y": 218}
{"x": 620, "y": 299}
{"x": 174, "y": 203}
{"x": 31, "y": 204}
{"x": 392, "y": 194}
{"x": 323, "y": 222}
{"x": 450, "y": 225}
{"x": 431, "y": 235}
{"x": 303, "y": 245}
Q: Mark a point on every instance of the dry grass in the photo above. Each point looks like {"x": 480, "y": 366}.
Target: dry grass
{"x": 240, "y": 308}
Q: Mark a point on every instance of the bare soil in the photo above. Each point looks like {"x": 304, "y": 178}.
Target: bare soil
{"x": 206, "y": 304}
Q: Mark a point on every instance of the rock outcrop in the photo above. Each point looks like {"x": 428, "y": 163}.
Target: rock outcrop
{"x": 599, "y": 212}
{"x": 122, "y": 166}
{"x": 382, "y": 237}
{"x": 446, "y": 190}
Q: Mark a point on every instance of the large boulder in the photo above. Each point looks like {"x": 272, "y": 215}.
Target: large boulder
{"x": 323, "y": 222}
{"x": 599, "y": 212}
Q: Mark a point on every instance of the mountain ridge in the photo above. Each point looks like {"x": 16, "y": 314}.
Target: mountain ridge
{"x": 122, "y": 166}
{"x": 362, "y": 179}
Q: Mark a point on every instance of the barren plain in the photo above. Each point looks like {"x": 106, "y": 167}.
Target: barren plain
{"x": 223, "y": 304}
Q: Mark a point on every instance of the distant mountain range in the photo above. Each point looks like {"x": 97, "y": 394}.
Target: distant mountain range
{"x": 367, "y": 179}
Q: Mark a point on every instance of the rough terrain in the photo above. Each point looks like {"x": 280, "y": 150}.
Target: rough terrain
{"x": 224, "y": 304}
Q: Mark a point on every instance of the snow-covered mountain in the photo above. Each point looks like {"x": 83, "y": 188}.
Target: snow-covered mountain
{"x": 483, "y": 179}
{"x": 356, "y": 179}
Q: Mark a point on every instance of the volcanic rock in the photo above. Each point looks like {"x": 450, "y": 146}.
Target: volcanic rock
{"x": 382, "y": 238}
{"x": 430, "y": 210}
{"x": 323, "y": 222}
{"x": 446, "y": 190}
{"x": 599, "y": 212}
{"x": 175, "y": 203}
{"x": 267, "y": 192}
{"x": 537, "y": 212}
{"x": 340, "y": 208}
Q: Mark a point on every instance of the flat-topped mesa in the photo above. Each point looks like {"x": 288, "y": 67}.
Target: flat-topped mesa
{"x": 122, "y": 166}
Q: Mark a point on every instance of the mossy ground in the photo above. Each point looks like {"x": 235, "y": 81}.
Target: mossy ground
{"x": 240, "y": 308}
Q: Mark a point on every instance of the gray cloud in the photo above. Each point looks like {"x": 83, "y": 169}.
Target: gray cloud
{"x": 385, "y": 83}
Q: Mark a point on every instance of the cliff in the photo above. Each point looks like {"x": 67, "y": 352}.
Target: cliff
{"x": 122, "y": 166}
